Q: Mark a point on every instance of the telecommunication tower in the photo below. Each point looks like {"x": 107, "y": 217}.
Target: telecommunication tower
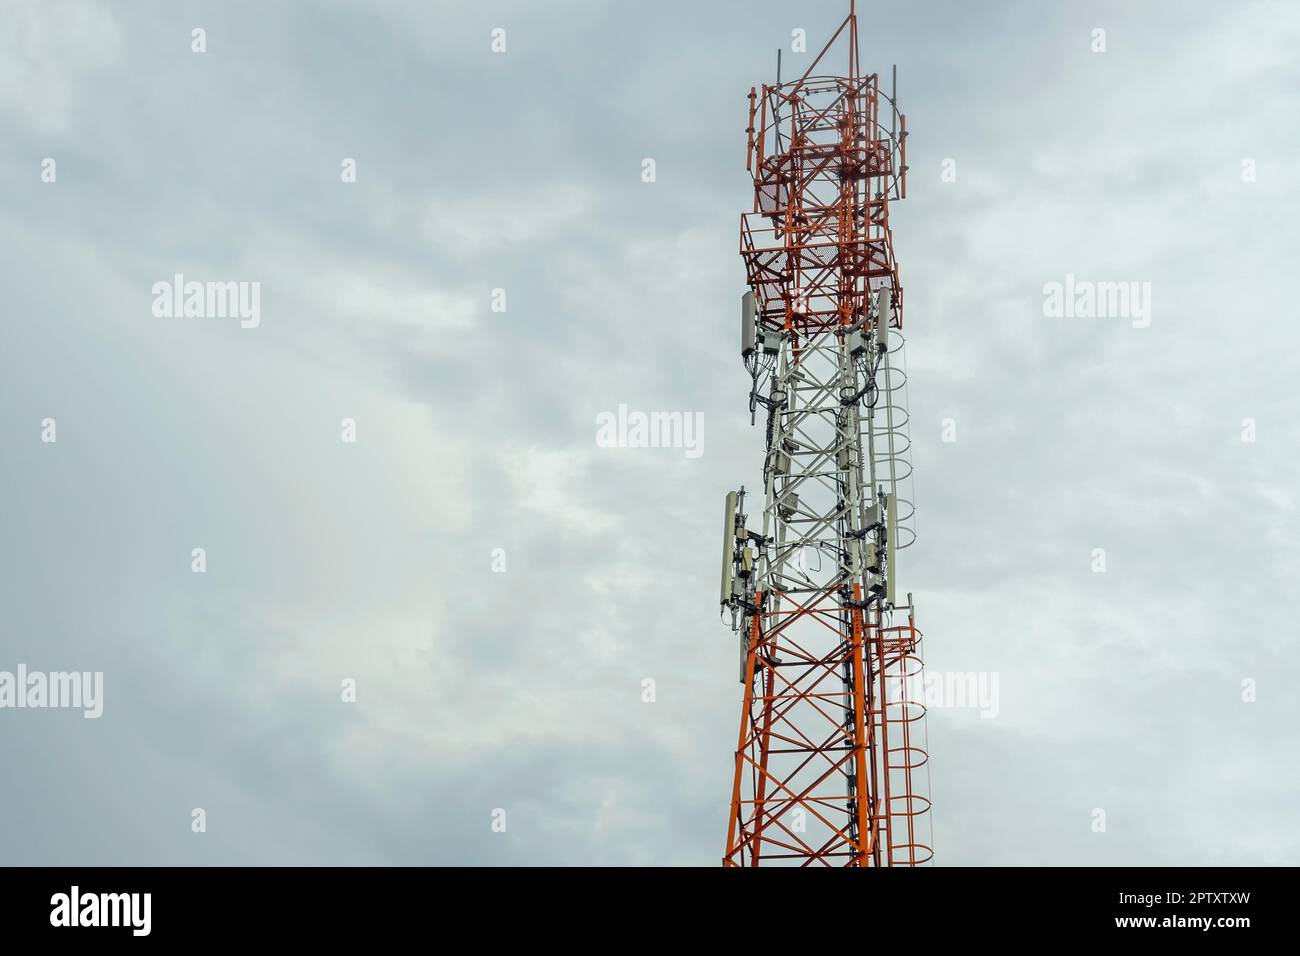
{"x": 831, "y": 761}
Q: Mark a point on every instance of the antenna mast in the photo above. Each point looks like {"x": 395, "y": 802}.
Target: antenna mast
{"x": 831, "y": 763}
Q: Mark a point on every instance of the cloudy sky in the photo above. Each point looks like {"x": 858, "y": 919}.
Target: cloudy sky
{"x": 1169, "y": 159}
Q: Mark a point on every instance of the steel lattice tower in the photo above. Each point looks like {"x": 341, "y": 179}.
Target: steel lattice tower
{"x": 832, "y": 732}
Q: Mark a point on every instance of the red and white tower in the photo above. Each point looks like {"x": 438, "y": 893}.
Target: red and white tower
{"x": 830, "y": 763}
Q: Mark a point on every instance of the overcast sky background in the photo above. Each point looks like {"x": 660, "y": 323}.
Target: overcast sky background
{"x": 476, "y": 430}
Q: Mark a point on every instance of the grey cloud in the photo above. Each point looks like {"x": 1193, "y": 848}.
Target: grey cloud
{"x": 476, "y": 429}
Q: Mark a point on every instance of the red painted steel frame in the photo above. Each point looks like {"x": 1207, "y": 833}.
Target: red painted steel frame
{"x": 816, "y": 248}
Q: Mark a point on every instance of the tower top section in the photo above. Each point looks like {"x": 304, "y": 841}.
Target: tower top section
{"x": 826, "y": 162}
